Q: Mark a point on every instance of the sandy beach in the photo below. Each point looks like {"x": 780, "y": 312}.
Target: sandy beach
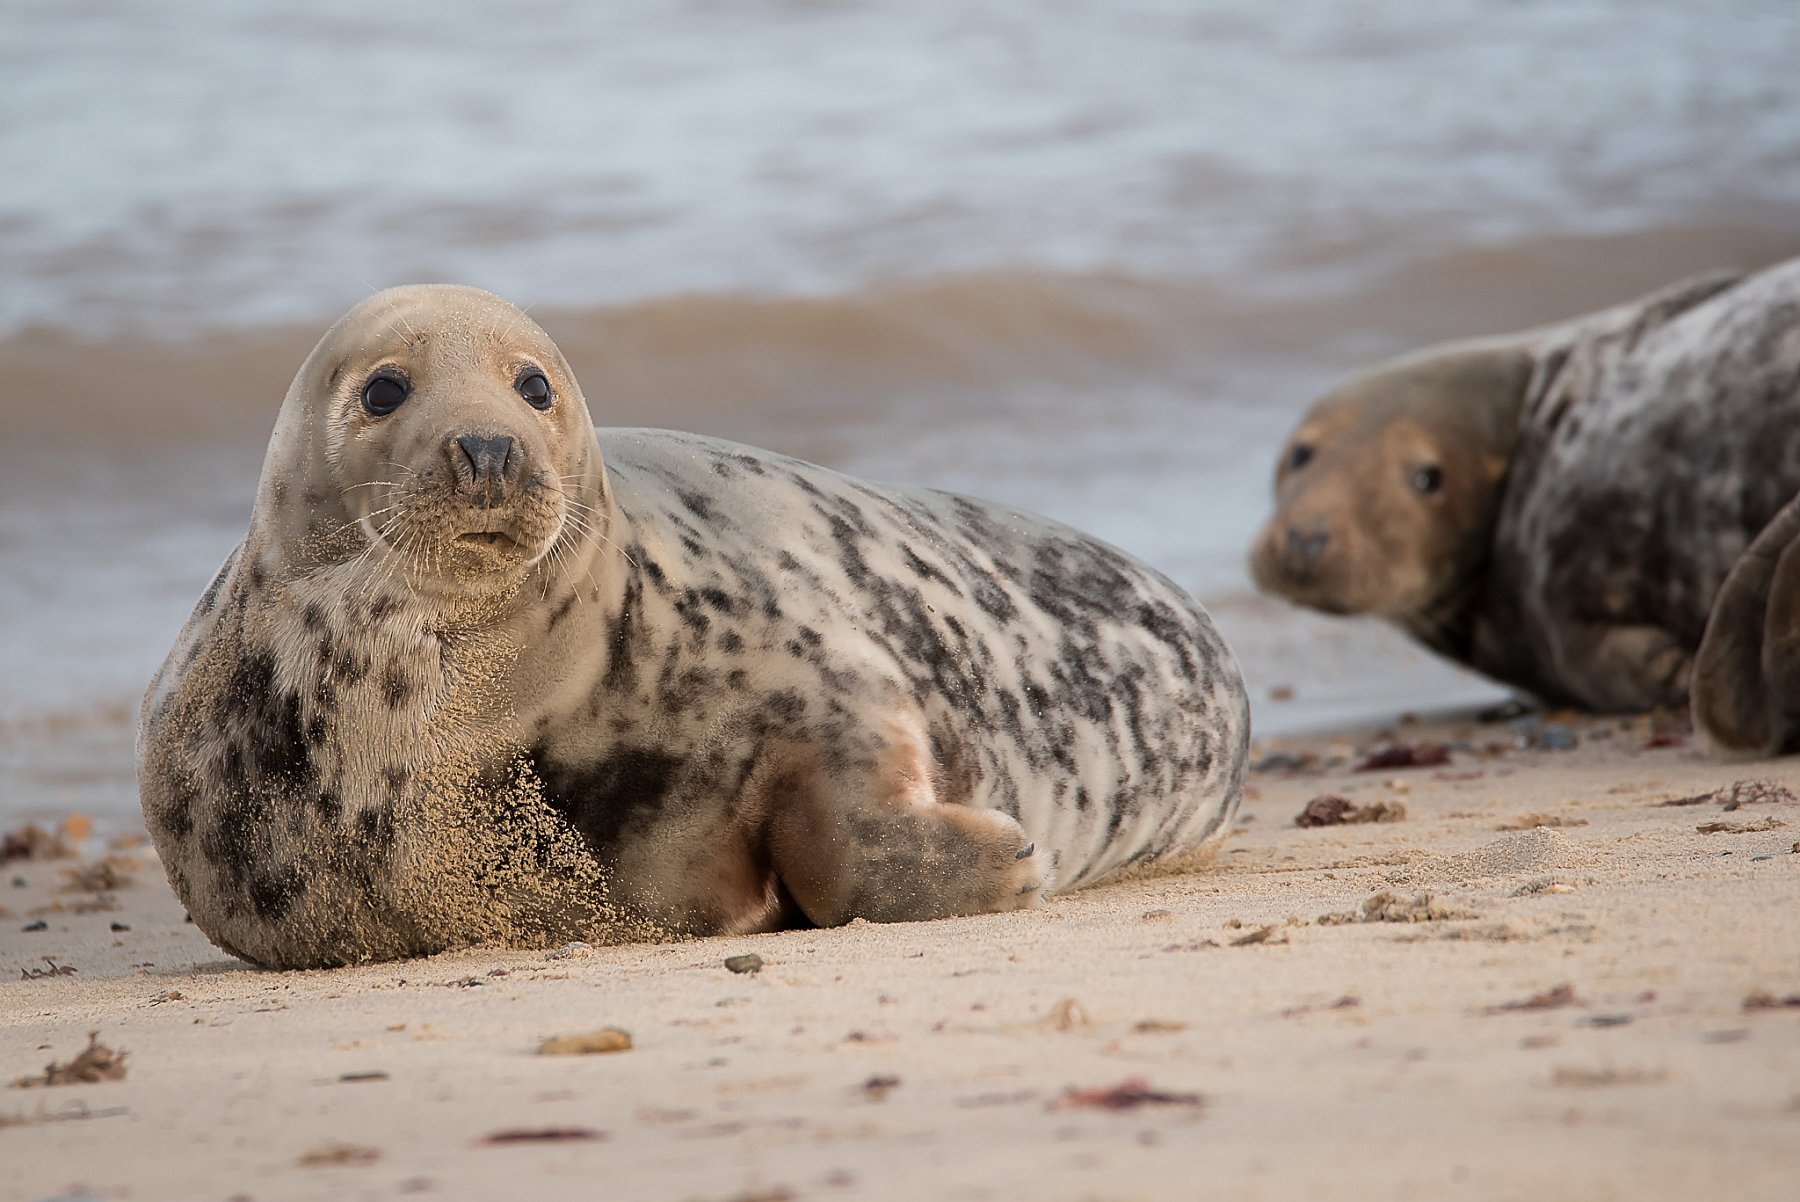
{"x": 1565, "y": 969}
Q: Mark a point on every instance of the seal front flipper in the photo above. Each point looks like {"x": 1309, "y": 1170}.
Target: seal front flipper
{"x": 1621, "y": 669}
{"x": 1746, "y": 690}
{"x": 885, "y": 845}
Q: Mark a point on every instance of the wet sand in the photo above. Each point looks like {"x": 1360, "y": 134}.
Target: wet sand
{"x": 1597, "y": 1000}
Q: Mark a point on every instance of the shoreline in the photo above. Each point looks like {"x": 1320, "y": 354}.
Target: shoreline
{"x": 1279, "y": 1041}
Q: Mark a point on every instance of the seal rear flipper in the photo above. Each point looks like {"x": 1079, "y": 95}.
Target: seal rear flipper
{"x": 1746, "y": 691}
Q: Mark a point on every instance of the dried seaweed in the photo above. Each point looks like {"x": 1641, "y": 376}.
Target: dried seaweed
{"x": 1126, "y": 1095}
{"x": 53, "y": 970}
{"x": 1405, "y": 755}
{"x": 543, "y": 1135}
{"x": 102, "y": 876}
{"x": 337, "y": 1154}
{"x": 93, "y": 1064}
{"x": 1550, "y": 999}
{"x": 1739, "y": 828}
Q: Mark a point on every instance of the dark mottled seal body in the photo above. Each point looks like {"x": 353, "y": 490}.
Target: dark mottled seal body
{"x": 1559, "y": 508}
{"x": 651, "y": 683}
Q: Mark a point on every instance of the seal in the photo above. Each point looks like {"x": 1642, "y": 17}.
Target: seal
{"x": 1556, "y": 508}
{"x": 470, "y": 680}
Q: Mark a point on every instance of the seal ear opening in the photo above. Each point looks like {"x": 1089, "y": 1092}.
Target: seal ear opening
{"x": 1746, "y": 686}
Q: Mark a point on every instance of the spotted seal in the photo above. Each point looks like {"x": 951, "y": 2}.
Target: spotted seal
{"x": 1557, "y": 508}
{"x": 478, "y": 675}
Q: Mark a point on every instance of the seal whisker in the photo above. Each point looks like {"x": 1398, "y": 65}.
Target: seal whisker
{"x": 518, "y": 315}
{"x": 395, "y": 549}
{"x": 401, "y": 318}
{"x": 588, "y": 570}
{"x": 582, "y": 511}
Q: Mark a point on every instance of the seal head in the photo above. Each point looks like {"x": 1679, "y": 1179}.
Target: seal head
{"x": 436, "y": 435}
{"x": 1387, "y": 492}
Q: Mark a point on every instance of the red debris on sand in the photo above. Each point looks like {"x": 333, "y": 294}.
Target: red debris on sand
{"x": 1405, "y": 755}
{"x": 1550, "y": 999}
{"x": 543, "y": 1135}
{"x": 1326, "y": 810}
{"x": 1126, "y": 1095}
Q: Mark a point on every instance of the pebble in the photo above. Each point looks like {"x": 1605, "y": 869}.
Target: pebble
{"x": 750, "y": 963}
{"x": 121, "y": 926}
{"x": 39, "y": 925}
{"x": 1556, "y": 738}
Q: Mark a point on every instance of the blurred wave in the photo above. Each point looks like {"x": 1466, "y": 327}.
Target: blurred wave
{"x": 749, "y": 365}
{"x": 191, "y": 163}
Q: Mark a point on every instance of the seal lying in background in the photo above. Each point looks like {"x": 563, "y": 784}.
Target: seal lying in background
{"x": 464, "y": 682}
{"x": 1558, "y": 508}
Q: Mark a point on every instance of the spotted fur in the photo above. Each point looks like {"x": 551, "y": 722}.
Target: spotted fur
{"x": 730, "y": 691}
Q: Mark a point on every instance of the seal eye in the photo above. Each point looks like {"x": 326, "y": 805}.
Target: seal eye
{"x": 1299, "y": 456}
{"x": 1427, "y": 480}
{"x": 535, "y": 389}
{"x": 384, "y": 392}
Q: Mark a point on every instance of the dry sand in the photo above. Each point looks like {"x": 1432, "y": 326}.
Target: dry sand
{"x": 1587, "y": 1010}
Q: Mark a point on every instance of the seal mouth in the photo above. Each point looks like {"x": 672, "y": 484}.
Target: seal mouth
{"x": 496, "y": 540}
{"x": 491, "y": 531}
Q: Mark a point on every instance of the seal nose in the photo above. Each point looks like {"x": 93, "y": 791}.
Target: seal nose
{"x": 485, "y": 463}
{"x": 1304, "y": 548}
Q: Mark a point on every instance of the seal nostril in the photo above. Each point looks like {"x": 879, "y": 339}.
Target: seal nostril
{"x": 490, "y": 457}
{"x": 1305, "y": 546}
